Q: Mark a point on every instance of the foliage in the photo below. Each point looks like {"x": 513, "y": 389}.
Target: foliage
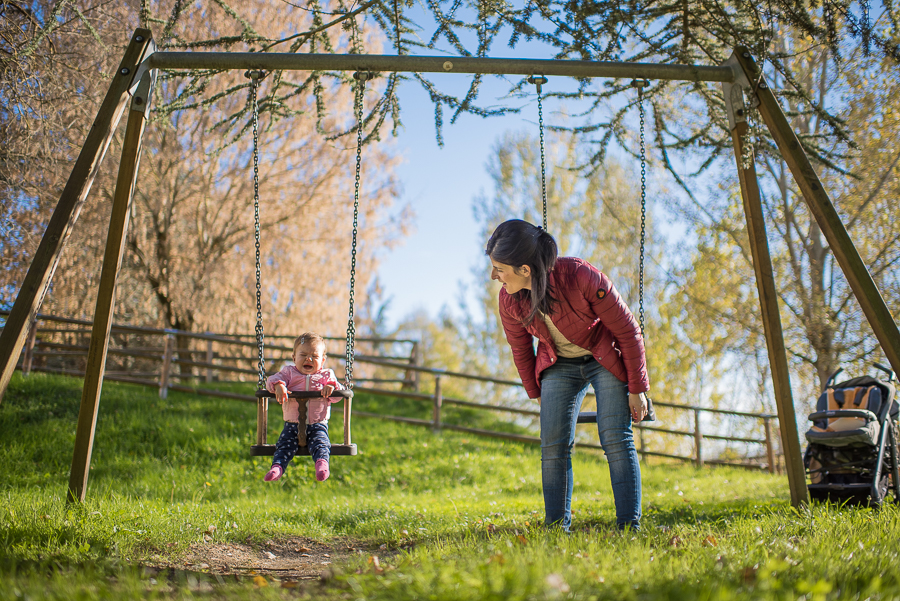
{"x": 823, "y": 324}
{"x": 190, "y": 244}
{"x": 448, "y": 516}
{"x": 661, "y": 31}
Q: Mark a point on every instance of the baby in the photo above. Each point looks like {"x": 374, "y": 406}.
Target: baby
{"x": 307, "y": 373}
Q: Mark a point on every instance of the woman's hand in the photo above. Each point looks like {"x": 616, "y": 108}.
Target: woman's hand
{"x": 281, "y": 393}
{"x": 637, "y": 403}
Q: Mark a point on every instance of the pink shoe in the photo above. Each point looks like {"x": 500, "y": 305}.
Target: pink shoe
{"x": 274, "y": 474}
{"x": 322, "y": 472}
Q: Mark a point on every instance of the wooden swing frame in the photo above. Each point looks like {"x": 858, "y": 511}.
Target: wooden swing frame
{"x": 742, "y": 81}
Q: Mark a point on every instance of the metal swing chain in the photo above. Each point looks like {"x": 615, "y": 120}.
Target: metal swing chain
{"x": 360, "y": 77}
{"x": 538, "y": 81}
{"x": 640, "y": 84}
{"x": 255, "y": 77}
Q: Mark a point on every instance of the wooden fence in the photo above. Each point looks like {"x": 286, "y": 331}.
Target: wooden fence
{"x": 156, "y": 357}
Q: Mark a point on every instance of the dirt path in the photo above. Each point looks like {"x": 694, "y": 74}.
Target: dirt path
{"x": 291, "y": 559}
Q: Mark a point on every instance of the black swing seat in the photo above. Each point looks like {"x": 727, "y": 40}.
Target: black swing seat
{"x": 590, "y": 417}
{"x": 267, "y": 450}
{"x": 587, "y": 417}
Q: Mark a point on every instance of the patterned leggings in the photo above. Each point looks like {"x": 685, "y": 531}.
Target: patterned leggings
{"x": 288, "y": 444}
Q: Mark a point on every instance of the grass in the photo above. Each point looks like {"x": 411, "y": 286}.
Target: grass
{"x": 449, "y": 516}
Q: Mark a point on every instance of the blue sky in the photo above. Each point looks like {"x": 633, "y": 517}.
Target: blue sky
{"x": 440, "y": 184}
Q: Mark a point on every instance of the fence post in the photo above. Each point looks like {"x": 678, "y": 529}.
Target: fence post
{"x": 438, "y": 400}
{"x": 166, "y": 366}
{"x": 28, "y": 354}
{"x": 770, "y": 450}
{"x": 698, "y": 439}
{"x": 415, "y": 359}
{"x": 209, "y": 359}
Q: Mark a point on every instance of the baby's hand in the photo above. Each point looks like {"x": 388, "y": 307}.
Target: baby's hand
{"x": 281, "y": 393}
{"x": 327, "y": 390}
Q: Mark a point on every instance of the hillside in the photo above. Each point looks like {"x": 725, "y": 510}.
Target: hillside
{"x": 176, "y": 507}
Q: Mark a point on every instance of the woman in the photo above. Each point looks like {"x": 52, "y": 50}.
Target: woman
{"x": 586, "y": 335}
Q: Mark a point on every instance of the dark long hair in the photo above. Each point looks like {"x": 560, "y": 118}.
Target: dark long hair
{"x": 517, "y": 243}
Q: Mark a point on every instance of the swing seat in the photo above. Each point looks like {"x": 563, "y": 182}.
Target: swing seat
{"x": 590, "y": 417}
{"x": 261, "y": 449}
{"x": 267, "y": 450}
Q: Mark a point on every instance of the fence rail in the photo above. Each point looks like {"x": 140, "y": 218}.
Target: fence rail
{"x": 53, "y": 349}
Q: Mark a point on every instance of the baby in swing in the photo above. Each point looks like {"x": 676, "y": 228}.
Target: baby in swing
{"x": 307, "y": 373}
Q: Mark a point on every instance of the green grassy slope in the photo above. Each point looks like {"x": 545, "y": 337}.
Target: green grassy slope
{"x": 452, "y": 516}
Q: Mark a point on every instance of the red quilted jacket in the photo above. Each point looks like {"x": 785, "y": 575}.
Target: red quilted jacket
{"x": 590, "y": 314}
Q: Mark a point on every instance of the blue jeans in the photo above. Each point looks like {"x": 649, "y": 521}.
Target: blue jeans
{"x": 288, "y": 443}
{"x": 563, "y": 387}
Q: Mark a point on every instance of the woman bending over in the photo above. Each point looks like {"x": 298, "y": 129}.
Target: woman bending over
{"x": 585, "y": 335}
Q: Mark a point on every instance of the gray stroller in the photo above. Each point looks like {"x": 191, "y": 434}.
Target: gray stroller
{"x": 852, "y": 453}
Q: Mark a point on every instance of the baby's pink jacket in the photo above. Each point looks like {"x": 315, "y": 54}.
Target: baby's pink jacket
{"x": 318, "y": 410}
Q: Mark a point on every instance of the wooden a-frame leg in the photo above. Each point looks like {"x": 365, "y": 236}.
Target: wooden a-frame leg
{"x": 112, "y": 261}
{"x": 37, "y": 279}
{"x": 768, "y": 302}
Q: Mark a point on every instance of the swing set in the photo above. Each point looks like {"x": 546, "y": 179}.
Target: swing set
{"x": 743, "y": 85}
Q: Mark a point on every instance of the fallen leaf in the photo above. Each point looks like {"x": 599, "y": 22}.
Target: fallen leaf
{"x": 270, "y": 555}
{"x": 710, "y": 541}
{"x": 491, "y": 528}
{"x": 302, "y": 550}
{"x": 260, "y": 581}
{"x": 376, "y": 564}
{"x": 748, "y": 574}
{"x": 674, "y": 541}
{"x": 497, "y": 558}
{"x": 289, "y": 584}
{"x": 522, "y": 539}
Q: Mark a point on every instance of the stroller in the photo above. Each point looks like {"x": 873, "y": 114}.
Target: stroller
{"x": 852, "y": 454}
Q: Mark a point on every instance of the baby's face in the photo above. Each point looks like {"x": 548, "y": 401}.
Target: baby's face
{"x": 309, "y": 357}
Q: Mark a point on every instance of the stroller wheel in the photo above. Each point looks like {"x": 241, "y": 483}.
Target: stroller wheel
{"x": 879, "y": 491}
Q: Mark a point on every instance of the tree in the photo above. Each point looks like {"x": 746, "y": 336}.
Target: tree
{"x": 191, "y": 239}
{"x": 824, "y": 326}
{"x": 51, "y": 79}
{"x": 661, "y": 31}
{"x": 595, "y": 217}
